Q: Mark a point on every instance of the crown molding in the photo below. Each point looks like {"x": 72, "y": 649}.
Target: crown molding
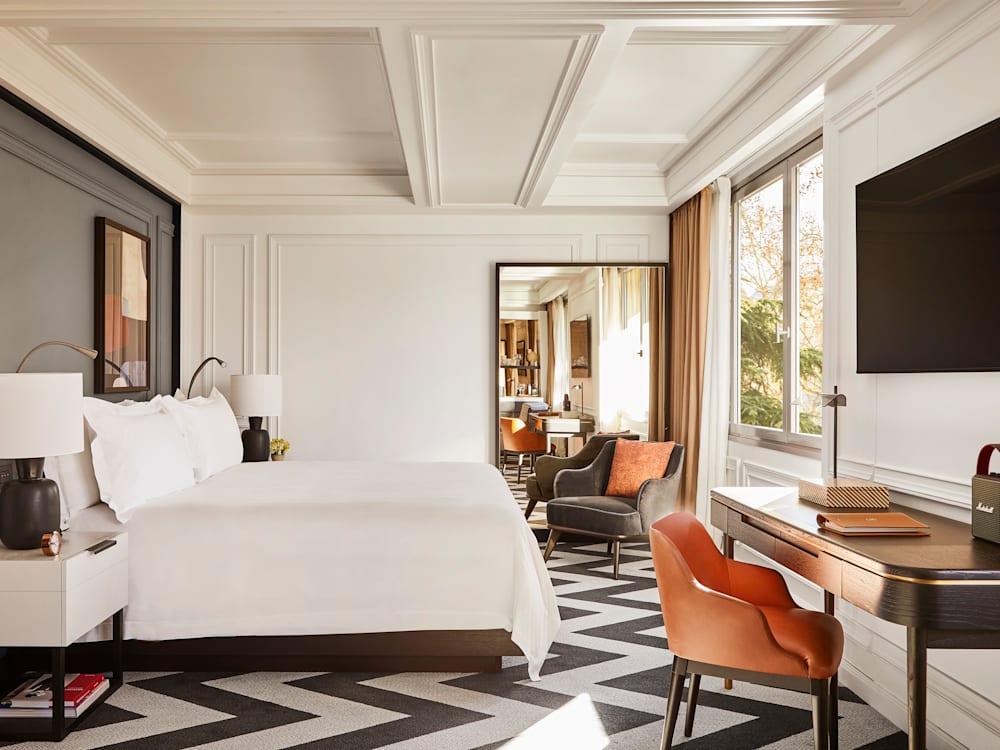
{"x": 633, "y": 138}
{"x": 742, "y": 37}
{"x": 248, "y": 13}
{"x": 120, "y": 35}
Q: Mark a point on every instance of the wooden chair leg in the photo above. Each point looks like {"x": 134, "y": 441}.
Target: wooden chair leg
{"x": 532, "y": 502}
{"x": 520, "y": 465}
{"x": 834, "y": 714}
{"x": 610, "y": 543}
{"x": 673, "y": 701}
{"x": 616, "y": 548}
{"x": 553, "y": 538}
{"x": 820, "y": 690}
{"x": 692, "y": 704}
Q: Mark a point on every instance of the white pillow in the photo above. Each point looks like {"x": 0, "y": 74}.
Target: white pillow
{"x": 95, "y": 408}
{"x": 74, "y": 473}
{"x": 210, "y": 427}
{"x": 145, "y": 456}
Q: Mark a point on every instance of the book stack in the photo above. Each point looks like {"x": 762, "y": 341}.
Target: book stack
{"x": 33, "y": 697}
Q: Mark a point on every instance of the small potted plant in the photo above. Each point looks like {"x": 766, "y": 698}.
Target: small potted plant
{"x": 279, "y": 447}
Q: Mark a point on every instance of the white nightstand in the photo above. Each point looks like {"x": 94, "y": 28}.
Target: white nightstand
{"x": 51, "y": 601}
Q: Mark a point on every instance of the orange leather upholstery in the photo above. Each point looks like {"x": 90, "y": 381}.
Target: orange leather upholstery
{"x": 517, "y": 438}
{"x": 732, "y": 614}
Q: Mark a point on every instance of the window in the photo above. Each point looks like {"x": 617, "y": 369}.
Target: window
{"x": 778, "y": 301}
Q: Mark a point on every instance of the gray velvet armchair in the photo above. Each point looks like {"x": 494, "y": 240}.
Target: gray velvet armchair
{"x": 540, "y": 486}
{"x": 581, "y": 507}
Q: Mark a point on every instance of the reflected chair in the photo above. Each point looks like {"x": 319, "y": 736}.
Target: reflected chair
{"x": 518, "y": 440}
{"x": 737, "y": 621}
{"x": 580, "y": 505}
{"x": 540, "y": 486}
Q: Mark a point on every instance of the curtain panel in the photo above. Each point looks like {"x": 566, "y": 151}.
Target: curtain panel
{"x": 690, "y": 260}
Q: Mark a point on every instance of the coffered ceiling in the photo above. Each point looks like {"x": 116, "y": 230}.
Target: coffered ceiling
{"x": 474, "y": 105}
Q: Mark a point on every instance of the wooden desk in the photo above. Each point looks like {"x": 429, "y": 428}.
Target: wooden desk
{"x": 945, "y": 587}
{"x": 555, "y": 425}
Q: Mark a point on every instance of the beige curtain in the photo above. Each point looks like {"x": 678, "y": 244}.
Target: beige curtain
{"x": 657, "y": 357}
{"x": 550, "y": 360}
{"x": 690, "y": 229}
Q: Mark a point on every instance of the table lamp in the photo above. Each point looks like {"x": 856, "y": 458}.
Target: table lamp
{"x": 256, "y": 395}
{"x": 42, "y": 415}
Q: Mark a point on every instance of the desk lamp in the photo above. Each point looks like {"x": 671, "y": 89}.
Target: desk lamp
{"x": 201, "y": 367}
{"x": 256, "y": 395}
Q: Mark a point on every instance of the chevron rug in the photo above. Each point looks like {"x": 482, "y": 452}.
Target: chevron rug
{"x": 604, "y": 685}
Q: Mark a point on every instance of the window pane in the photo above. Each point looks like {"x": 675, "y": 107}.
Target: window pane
{"x": 761, "y": 243}
{"x": 810, "y": 260}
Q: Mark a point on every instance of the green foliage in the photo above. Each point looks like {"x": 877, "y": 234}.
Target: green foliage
{"x": 761, "y": 359}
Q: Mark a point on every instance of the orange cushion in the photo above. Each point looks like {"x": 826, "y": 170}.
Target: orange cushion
{"x": 634, "y": 463}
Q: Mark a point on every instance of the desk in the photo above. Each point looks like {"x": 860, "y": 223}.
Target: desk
{"x": 555, "y": 425}
{"x": 945, "y": 587}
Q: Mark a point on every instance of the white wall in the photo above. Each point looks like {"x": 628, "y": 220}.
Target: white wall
{"x": 382, "y": 326}
{"x": 583, "y": 300}
{"x": 918, "y": 433}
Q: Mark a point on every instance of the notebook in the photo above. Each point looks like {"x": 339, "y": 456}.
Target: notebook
{"x": 866, "y": 524}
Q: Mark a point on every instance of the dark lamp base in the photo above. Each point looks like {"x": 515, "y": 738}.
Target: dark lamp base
{"x": 256, "y": 442}
{"x": 29, "y": 508}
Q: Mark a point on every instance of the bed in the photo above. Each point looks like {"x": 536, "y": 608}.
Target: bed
{"x": 282, "y": 565}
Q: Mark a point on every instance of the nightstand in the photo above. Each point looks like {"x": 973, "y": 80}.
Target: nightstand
{"x": 50, "y": 602}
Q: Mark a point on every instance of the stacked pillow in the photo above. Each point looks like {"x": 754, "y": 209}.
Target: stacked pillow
{"x": 134, "y": 452}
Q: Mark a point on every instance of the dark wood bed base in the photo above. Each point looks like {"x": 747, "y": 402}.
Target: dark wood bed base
{"x": 409, "y": 651}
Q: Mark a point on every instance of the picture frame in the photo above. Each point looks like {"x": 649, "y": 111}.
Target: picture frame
{"x": 122, "y": 308}
{"x": 579, "y": 347}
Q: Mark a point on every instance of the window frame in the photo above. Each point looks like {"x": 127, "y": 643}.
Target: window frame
{"x": 786, "y": 438}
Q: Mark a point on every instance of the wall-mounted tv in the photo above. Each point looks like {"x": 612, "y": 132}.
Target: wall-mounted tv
{"x": 928, "y": 260}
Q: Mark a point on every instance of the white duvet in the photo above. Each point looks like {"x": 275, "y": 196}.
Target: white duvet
{"x": 301, "y": 548}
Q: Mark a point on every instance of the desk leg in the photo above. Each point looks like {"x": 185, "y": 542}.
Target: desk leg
{"x": 916, "y": 678}
{"x": 829, "y": 606}
{"x": 729, "y": 550}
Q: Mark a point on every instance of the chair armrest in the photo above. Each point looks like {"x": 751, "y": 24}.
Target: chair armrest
{"x": 546, "y": 468}
{"x": 758, "y": 585}
{"x": 658, "y": 497}
{"x": 588, "y": 481}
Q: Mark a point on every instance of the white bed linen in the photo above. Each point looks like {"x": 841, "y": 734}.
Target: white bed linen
{"x": 301, "y": 547}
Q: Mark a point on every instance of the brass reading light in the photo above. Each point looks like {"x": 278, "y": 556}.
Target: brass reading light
{"x": 835, "y": 400}
{"x": 200, "y": 368}
{"x": 92, "y": 353}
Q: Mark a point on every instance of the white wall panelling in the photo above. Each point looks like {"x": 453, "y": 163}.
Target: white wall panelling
{"x": 228, "y": 314}
{"x": 622, "y": 249}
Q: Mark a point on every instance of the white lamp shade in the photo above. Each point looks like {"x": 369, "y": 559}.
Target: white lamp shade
{"x": 41, "y": 414}
{"x": 255, "y": 395}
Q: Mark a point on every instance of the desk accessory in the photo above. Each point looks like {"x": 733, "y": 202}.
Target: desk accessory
{"x": 986, "y": 498}
{"x": 260, "y": 396}
{"x": 837, "y": 492}
{"x": 51, "y": 544}
{"x": 871, "y": 524}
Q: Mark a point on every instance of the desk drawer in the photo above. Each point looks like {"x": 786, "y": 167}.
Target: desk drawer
{"x": 820, "y": 568}
{"x": 740, "y": 529}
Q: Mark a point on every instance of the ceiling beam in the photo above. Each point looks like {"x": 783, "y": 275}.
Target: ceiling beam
{"x": 400, "y": 63}
{"x": 586, "y": 73}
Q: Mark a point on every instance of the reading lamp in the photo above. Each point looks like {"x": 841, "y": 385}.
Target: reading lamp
{"x": 835, "y": 400}
{"x": 579, "y": 387}
{"x": 42, "y": 415}
{"x": 256, "y": 395}
{"x": 201, "y": 367}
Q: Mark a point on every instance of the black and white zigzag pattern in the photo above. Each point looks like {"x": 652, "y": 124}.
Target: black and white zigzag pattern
{"x": 604, "y": 685}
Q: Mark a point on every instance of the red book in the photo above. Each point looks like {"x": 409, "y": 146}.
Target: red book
{"x": 80, "y": 687}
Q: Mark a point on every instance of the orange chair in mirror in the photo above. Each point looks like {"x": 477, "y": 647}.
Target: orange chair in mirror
{"x": 519, "y": 441}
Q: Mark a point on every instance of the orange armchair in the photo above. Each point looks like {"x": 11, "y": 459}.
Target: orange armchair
{"x": 519, "y": 441}
{"x": 733, "y": 620}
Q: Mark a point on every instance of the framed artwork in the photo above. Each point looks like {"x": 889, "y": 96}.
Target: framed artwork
{"x": 579, "y": 347}
{"x": 121, "y": 308}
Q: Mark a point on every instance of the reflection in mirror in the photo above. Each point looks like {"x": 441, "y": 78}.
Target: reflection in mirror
{"x": 582, "y": 350}
{"x": 121, "y": 312}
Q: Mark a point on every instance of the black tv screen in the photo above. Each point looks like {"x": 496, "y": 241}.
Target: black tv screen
{"x": 928, "y": 260}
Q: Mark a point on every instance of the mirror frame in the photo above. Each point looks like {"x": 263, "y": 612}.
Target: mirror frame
{"x": 101, "y": 226}
{"x": 495, "y": 335}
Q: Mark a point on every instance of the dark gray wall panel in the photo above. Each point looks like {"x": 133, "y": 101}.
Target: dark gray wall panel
{"x": 50, "y": 192}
